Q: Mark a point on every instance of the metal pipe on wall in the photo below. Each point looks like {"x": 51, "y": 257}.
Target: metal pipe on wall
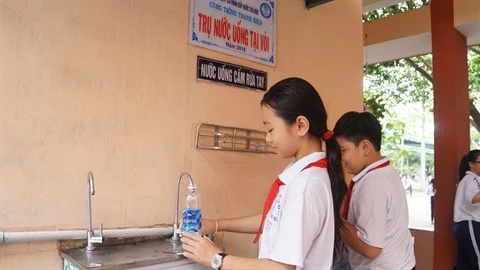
{"x": 17, "y": 237}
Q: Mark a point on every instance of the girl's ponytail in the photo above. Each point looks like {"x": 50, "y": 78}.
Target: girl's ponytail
{"x": 463, "y": 167}
{"x": 338, "y": 186}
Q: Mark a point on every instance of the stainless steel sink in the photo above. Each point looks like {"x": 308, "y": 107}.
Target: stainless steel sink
{"x": 184, "y": 264}
{"x": 127, "y": 256}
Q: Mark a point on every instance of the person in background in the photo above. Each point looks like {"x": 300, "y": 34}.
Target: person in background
{"x": 431, "y": 190}
{"x": 376, "y": 208}
{"x": 300, "y": 224}
{"x": 466, "y": 212}
{"x": 409, "y": 185}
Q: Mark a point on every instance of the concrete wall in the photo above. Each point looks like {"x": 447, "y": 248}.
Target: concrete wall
{"x": 110, "y": 86}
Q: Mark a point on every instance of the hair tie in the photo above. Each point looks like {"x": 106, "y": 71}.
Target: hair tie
{"x": 327, "y": 135}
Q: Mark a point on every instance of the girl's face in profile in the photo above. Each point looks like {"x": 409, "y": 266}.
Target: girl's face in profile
{"x": 475, "y": 166}
{"x": 283, "y": 139}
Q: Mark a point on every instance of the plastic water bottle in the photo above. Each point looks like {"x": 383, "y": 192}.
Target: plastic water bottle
{"x": 192, "y": 213}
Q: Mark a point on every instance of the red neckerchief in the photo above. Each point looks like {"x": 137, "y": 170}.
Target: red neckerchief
{"x": 348, "y": 197}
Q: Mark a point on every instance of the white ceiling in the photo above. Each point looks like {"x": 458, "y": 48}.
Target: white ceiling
{"x": 397, "y": 49}
{"x": 471, "y": 31}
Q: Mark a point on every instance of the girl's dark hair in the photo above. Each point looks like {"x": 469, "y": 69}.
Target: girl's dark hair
{"x": 292, "y": 97}
{"x": 464, "y": 167}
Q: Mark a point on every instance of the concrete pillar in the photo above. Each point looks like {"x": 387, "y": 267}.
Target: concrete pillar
{"x": 451, "y": 113}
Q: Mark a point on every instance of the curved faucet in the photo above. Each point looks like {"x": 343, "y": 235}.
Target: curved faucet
{"x": 91, "y": 191}
{"x": 91, "y": 238}
{"x": 175, "y": 222}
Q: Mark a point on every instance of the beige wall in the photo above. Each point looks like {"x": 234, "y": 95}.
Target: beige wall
{"x": 467, "y": 12}
{"x": 109, "y": 86}
{"x": 411, "y": 23}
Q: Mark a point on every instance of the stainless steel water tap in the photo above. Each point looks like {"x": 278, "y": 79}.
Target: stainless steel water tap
{"x": 91, "y": 238}
{"x": 175, "y": 237}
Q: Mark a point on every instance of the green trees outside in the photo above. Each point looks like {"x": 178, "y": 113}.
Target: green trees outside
{"x": 400, "y": 94}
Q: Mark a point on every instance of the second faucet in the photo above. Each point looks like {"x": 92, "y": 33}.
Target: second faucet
{"x": 91, "y": 238}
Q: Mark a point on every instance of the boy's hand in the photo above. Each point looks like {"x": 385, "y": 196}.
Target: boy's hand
{"x": 349, "y": 236}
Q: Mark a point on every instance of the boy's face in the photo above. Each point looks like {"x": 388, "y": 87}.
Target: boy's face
{"x": 353, "y": 157}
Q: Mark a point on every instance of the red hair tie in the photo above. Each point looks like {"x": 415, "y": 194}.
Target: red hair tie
{"x": 327, "y": 134}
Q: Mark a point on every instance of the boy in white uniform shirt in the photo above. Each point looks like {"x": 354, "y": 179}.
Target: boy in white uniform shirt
{"x": 375, "y": 206}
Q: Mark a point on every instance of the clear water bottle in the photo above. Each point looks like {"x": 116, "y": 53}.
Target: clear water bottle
{"x": 192, "y": 213}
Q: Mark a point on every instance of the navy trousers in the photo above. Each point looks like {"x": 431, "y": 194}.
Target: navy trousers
{"x": 467, "y": 234}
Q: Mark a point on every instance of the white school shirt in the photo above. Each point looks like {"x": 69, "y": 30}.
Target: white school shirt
{"x": 464, "y": 208}
{"x": 299, "y": 229}
{"x": 379, "y": 211}
{"x": 431, "y": 191}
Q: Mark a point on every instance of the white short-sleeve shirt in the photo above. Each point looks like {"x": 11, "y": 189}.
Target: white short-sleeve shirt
{"x": 464, "y": 208}
{"x": 299, "y": 229}
{"x": 431, "y": 190}
{"x": 379, "y": 211}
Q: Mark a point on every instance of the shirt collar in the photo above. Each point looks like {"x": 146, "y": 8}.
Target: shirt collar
{"x": 471, "y": 173}
{"x": 295, "y": 167}
{"x": 360, "y": 175}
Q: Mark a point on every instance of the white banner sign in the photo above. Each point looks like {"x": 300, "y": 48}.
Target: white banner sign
{"x": 243, "y": 28}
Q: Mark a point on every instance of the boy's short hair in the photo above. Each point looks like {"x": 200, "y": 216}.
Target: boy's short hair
{"x": 358, "y": 126}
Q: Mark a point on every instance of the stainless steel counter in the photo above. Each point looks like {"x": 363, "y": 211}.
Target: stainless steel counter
{"x": 153, "y": 254}
{"x": 184, "y": 264}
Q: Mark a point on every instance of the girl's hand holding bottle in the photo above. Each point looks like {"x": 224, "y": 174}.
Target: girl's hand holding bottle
{"x": 209, "y": 226}
{"x": 199, "y": 248}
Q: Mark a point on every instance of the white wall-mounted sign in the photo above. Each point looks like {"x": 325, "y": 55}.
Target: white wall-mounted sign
{"x": 243, "y": 28}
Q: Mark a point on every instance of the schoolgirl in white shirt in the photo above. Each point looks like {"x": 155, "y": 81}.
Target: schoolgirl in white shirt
{"x": 466, "y": 213}
{"x": 431, "y": 190}
{"x": 300, "y": 222}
